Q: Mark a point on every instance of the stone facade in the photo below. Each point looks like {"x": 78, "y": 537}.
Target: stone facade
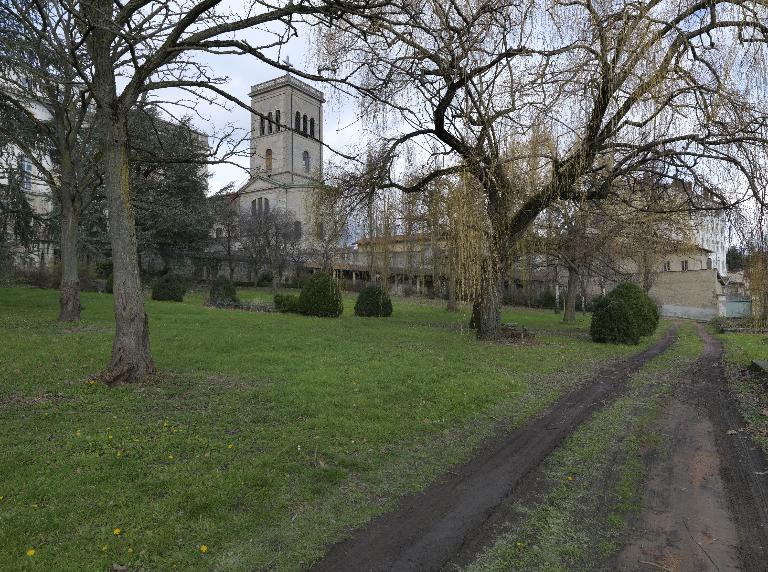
{"x": 286, "y": 147}
{"x": 697, "y": 294}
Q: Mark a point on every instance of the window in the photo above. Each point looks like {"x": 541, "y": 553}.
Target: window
{"x": 667, "y": 266}
{"x": 684, "y": 265}
{"x": 709, "y": 264}
{"x": 266, "y": 206}
{"x": 277, "y": 121}
{"x": 261, "y": 125}
{"x": 297, "y": 229}
{"x": 305, "y": 158}
{"x": 304, "y": 125}
{"x": 269, "y": 122}
{"x": 219, "y": 232}
{"x": 297, "y": 122}
{"x": 26, "y": 176}
{"x": 255, "y": 206}
{"x": 268, "y": 160}
{"x": 312, "y": 127}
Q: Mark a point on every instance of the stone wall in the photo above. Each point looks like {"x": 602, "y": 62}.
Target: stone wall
{"x": 693, "y": 294}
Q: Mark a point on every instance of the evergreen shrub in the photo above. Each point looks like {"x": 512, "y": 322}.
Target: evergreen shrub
{"x": 613, "y": 322}
{"x": 223, "y": 292}
{"x": 373, "y": 301}
{"x": 170, "y": 287}
{"x": 287, "y": 303}
{"x": 321, "y": 296}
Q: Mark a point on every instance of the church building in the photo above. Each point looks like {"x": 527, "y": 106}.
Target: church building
{"x": 286, "y": 149}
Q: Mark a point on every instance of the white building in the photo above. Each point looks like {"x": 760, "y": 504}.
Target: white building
{"x": 36, "y": 189}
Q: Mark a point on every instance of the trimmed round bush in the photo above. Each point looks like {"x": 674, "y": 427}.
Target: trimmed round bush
{"x": 321, "y": 296}
{"x": 613, "y": 322}
{"x": 643, "y": 309}
{"x": 170, "y": 287}
{"x": 373, "y": 301}
{"x": 223, "y": 292}
{"x": 287, "y": 303}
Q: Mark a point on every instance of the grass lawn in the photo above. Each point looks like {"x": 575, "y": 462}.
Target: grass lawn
{"x": 263, "y": 438}
{"x": 748, "y": 387}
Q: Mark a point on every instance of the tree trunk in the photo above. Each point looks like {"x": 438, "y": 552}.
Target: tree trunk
{"x": 570, "y": 298}
{"x": 131, "y": 355}
{"x": 487, "y": 316}
{"x": 451, "y": 305}
{"x": 69, "y": 289}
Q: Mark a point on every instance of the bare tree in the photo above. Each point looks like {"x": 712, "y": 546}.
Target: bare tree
{"x": 661, "y": 87}
{"x": 271, "y": 239}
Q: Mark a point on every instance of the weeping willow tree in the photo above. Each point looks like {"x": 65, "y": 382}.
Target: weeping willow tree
{"x": 668, "y": 88}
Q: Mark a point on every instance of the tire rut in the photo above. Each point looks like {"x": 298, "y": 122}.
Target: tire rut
{"x": 706, "y": 499}
{"x": 450, "y": 519}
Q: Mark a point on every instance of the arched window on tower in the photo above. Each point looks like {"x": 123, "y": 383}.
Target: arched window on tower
{"x": 304, "y": 125}
{"x": 269, "y": 120}
{"x": 312, "y": 127}
{"x": 268, "y": 160}
{"x": 305, "y": 158}
{"x": 277, "y": 121}
{"x": 261, "y": 125}
{"x": 297, "y": 122}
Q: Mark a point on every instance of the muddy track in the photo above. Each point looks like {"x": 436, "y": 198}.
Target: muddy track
{"x": 448, "y": 521}
{"x": 706, "y": 499}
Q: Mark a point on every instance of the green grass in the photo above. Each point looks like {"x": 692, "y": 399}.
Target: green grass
{"x": 741, "y": 349}
{"x": 264, "y": 437}
{"x": 595, "y": 479}
{"x": 748, "y": 386}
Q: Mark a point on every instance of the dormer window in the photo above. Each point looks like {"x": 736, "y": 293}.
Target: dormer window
{"x": 297, "y": 122}
{"x": 269, "y": 122}
{"x": 268, "y": 160}
{"x": 304, "y": 125}
{"x": 312, "y": 127}
{"x": 277, "y": 121}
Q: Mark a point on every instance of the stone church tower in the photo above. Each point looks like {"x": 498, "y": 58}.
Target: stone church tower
{"x": 286, "y": 150}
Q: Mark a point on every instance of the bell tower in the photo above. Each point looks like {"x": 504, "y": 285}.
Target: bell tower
{"x": 286, "y": 138}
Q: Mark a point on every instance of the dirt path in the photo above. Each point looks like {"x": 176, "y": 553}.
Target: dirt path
{"x": 706, "y": 500}
{"x": 431, "y": 528}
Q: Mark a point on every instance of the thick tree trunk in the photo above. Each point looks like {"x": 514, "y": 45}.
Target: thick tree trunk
{"x": 570, "y": 298}
{"x": 487, "y": 309}
{"x": 131, "y": 356}
{"x": 69, "y": 289}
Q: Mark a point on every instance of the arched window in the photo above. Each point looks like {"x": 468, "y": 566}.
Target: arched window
{"x": 277, "y": 121}
{"x": 297, "y": 122}
{"x": 709, "y": 264}
{"x": 304, "y": 125}
{"x": 266, "y": 206}
{"x": 219, "y": 232}
{"x": 255, "y": 206}
{"x": 268, "y": 160}
{"x": 312, "y": 127}
{"x": 305, "y": 158}
{"x": 297, "y": 229}
{"x": 261, "y": 125}
{"x": 269, "y": 119}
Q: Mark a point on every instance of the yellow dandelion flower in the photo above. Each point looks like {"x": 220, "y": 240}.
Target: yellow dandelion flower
{"x": 230, "y": 446}
{"x": 109, "y": 436}
{"x": 130, "y": 550}
{"x": 103, "y": 547}
{"x": 170, "y": 457}
{"x": 203, "y": 548}
{"x": 1, "y": 497}
{"x": 570, "y": 478}
{"x": 117, "y": 531}
{"x": 31, "y": 552}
